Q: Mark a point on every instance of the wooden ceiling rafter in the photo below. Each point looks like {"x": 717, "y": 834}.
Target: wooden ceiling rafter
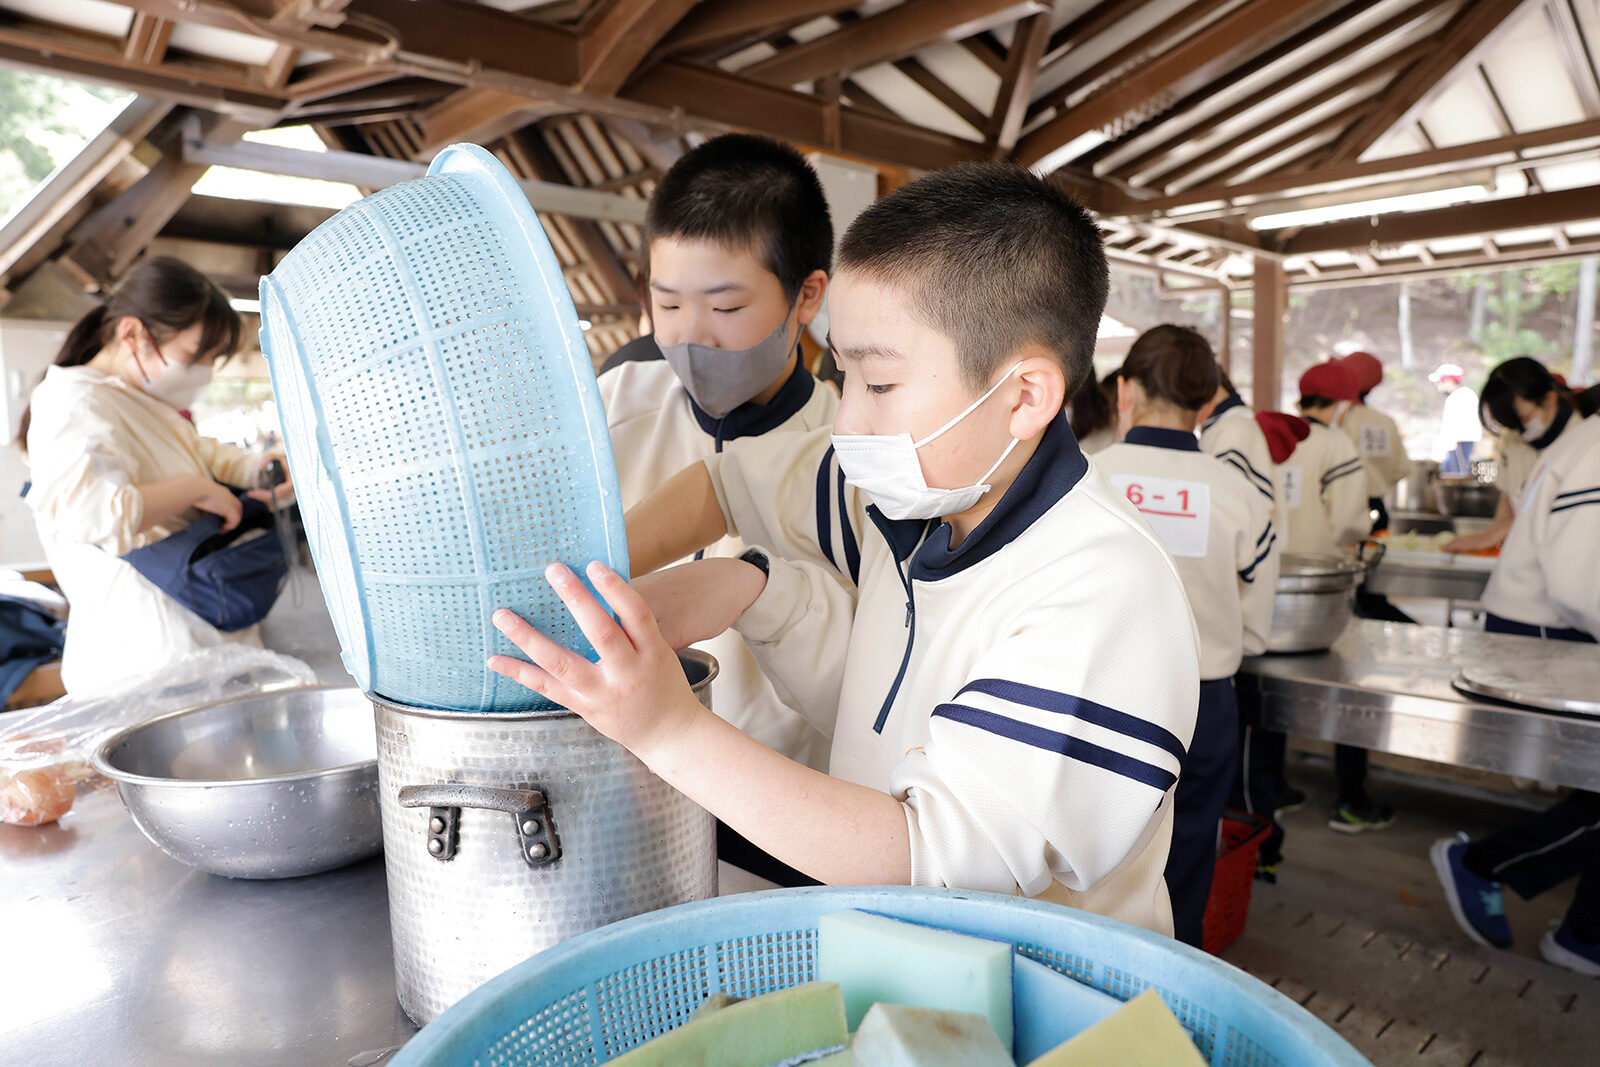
{"x": 1276, "y": 87}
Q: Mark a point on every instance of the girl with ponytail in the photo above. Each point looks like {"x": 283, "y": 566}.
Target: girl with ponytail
{"x": 116, "y": 466}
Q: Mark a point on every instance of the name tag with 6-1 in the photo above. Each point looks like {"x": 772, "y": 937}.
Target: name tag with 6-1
{"x": 1374, "y": 441}
{"x": 1178, "y": 511}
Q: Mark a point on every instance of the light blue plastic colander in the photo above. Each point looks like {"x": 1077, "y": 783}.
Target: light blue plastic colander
{"x": 602, "y": 993}
{"x": 443, "y": 427}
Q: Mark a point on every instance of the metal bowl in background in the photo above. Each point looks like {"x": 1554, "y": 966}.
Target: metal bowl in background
{"x": 1315, "y": 601}
{"x": 1465, "y": 497}
{"x": 273, "y": 786}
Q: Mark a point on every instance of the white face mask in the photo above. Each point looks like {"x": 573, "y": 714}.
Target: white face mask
{"x": 886, "y": 468}
{"x": 1535, "y": 428}
{"x": 179, "y": 384}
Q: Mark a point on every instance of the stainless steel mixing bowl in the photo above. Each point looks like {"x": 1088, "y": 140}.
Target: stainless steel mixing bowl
{"x": 274, "y": 786}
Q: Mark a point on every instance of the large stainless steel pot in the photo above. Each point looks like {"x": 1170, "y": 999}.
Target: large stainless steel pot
{"x": 273, "y": 786}
{"x": 1315, "y": 599}
{"x": 505, "y": 834}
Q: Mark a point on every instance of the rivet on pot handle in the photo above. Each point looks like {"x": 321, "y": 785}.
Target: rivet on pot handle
{"x": 536, "y": 836}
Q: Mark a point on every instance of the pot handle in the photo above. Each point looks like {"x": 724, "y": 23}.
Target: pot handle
{"x": 530, "y": 813}
{"x": 1371, "y": 562}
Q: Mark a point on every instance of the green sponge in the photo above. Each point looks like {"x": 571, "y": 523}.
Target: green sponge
{"x": 1142, "y": 1033}
{"x": 875, "y": 959}
{"x": 896, "y": 1036}
{"x": 751, "y": 1033}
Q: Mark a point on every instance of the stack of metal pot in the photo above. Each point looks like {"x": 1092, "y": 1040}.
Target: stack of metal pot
{"x": 505, "y": 834}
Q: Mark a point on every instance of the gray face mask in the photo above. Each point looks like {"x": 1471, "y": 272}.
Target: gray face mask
{"x": 720, "y": 379}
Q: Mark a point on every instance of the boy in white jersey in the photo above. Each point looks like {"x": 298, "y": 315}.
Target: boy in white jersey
{"x": 738, "y": 242}
{"x": 1219, "y": 531}
{"x": 1012, "y": 685}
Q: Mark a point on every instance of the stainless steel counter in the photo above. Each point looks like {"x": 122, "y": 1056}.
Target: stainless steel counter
{"x": 1454, "y": 580}
{"x": 1386, "y": 686}
{"x": 113, "y": 954}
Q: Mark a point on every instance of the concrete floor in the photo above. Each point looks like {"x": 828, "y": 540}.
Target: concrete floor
{"x": 1358, "y": 930}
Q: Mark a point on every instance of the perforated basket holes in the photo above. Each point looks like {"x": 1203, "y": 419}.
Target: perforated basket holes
{"x": 1238, "y": 1050}
{"x": 346, "y": 271}
{"x": 466, "y": 274}
{"x": 557, "y": 1036}
{"x": 762, "y": 963}
{"x": 1201, "y": 1024}
{"x": 426, "y": 649}
{"x": 1079, "y": 968}
{"x": 650, "y": 998}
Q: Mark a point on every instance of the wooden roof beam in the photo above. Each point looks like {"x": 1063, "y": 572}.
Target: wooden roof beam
{"x": 1165, "y": 179}
{"x": 1462, "y": 220}
{"x": 716, "y": 22}
{"x": 940, "y": 90}
{"x": 1278, "y": 86}
{"x": 147, "y": 40}
{"x": 1086, "y": 27}
{"x": 1186, "y": 66}
{"x": 477, "y": 115}
{"x": 1016, "y": 84}
{"x": 1472, "y": 29}
{"x": 609, "y": 53}
{"x": 894, "y": 34}
{"x": 1576, "y": 53}
{"x": 1456, "y": 157}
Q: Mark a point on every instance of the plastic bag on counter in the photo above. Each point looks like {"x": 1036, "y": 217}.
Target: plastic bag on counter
{"x": 45, "y": 751}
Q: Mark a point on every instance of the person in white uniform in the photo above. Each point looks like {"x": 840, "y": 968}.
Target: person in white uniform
{"x": 1012, "y": 683}
{"x": 116, "y": 465}
{"x": 739, "y": 245}
{"x": 1545, "y": 584}
{"x": 1219, "y": 531}
{"x": 1325, "y": 483}
{"x": 1459, "y": 426}
{"x": 1529, "y": 410}
{"x": 1376, "y": 436}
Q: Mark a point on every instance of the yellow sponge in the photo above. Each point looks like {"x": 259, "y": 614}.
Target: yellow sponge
{"x": 751, "y": 1033}
{"x": 1142, "y": 1033}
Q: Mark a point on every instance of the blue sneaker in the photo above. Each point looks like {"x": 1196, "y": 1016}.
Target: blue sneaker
{"x": 1478, "y": 904}
{"x": 1562, "y": 948}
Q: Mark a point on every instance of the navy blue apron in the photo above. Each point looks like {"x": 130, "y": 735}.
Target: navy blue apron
{"x": 228, "y": 584}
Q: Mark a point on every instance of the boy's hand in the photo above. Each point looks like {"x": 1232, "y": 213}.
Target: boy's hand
{"x": 636, "y": 695}
{"x": 700, "y": 600}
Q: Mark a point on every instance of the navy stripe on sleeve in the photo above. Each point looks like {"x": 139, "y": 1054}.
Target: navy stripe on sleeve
{"x": 1087, "y": 710}
{"x": 1349, "y": 466}
{"x": 1063, "y": 744}
{"x": 824, "y": 522}
{"x": 1249, "y": 573}
{"x": 852, "y": 551}
{"x": 1575, "y": 504}
{"x": 1578, "y": 492}
{"x": 1242, "y": 464}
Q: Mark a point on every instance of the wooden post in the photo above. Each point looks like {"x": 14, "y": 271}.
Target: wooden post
{"x": 1271, "y": 303}
{"x": 1225, "y": 328}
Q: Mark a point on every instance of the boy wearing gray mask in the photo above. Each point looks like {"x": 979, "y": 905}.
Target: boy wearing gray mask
{"x": 738, "y": 243}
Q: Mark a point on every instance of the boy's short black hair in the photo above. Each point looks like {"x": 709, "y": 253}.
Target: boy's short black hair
{"x": 751, "y": 192}
{"x": 994, "y": 257}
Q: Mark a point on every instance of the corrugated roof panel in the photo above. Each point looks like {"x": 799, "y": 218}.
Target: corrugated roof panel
{"x": 907, "y": 99}
{"x": 221, "y": 44}
{"x": 1462, "y": 113}
{"x": 1572, "y": 175}
{"x": 1081, "y": 58}
{"x": 1533, "y": 236}
{"x": 963, "y": 72}
{"x": 1529, "y": 75}
{"x": 94, "y": 16}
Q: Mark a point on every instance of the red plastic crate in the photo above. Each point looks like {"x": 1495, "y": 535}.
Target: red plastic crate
{"x": 1229, "y": 903}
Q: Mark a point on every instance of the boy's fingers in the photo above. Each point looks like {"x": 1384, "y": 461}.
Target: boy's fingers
{"x": 564, "y": 666}
{"x": 526, "y": 675}
{"x": 638, "y": 621}
{"x": 598, "y": 626}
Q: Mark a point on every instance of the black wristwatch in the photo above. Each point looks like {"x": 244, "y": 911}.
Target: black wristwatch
{"x": 758, "y": 559}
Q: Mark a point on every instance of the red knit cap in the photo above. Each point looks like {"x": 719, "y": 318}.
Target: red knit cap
{"x": 1283, "y": 431}
{"x": 1333, "y": 380}
{"x": 1366, "y": 368}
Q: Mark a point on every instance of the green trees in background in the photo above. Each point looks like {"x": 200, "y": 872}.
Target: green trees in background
{"x": 43, "y": 121}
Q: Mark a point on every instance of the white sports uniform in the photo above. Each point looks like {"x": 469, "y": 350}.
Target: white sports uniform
{"x": 1380, "y": 446}
{"x": 1217, "y": 527}
{"x": 1548, "y": 573}
{"x": 1325, "y": 492}
{"x": 657, "y": 431}
{"x": 93, "y": 439}
{"x": 1027, "y": 696}
{"x": 1232, "y": 435}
